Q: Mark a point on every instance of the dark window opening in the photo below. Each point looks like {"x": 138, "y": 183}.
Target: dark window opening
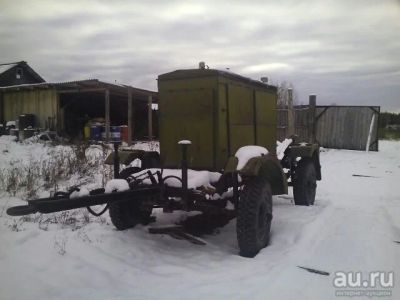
{"x": 19, "y": 73}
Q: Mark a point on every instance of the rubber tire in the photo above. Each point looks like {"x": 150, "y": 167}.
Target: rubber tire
{"x": 127, "y": 214}
{"x": 254, "y": 216}
{"x": 305, "y": 183}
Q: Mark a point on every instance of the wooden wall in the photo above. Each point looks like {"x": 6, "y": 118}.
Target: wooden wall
{"x": 347, "y": 127}
{"x": 339, "y": 127}
{"x": 42, "y": 103}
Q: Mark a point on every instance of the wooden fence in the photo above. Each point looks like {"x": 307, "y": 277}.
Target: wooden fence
{"x": 298, "y": 120}
{"x": 348, "y": 127}
{"x": 340, "y": 127}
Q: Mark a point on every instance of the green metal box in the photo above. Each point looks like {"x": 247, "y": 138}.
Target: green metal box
{"x": 218, "y": 111}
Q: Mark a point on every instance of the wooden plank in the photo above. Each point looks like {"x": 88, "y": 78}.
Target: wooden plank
{"x": 130, "y": 112}
{"x": 1, "y": 108}
{"x": 41, "y": 103}
{"x": 312, "y": 118}
{"x": 345, "y": 127}
{"x": 290, "y": 115}
{"x": 150, "y": 117}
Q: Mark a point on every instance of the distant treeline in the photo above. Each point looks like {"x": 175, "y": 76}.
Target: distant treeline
{"x": 386, "y": 118}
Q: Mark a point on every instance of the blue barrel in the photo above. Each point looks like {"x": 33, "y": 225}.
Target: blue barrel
{"x": 115, "y": 133}
{"x": 95, "y": 132}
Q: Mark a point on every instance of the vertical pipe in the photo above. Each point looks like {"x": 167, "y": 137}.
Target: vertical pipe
{"x": 228, "y": 127}
{"x": 150, "y": 117}
{"x": 57, "y": 113}
{"x": 130, "y": 123}
{"x": 107, "y": 114}
{"x": 1, "y": 108}
{"x": 116, "y": 160}
{"x": 291, "y": 125}
{"x": 235, "y": 184}
{"x": 255, "y": 117}
{"x": 311, "y": 118}
{"x": 184, "y": 165}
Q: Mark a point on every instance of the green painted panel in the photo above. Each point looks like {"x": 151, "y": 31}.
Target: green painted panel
{"x": 266, "y": 137}
{"x": 187, "y": 84}
{"x": 222, "y": 136}
{"x": 266, "y": 119}
{"x": 41, "y": 103}
{"x": 241, "y": 135}
{"x": 187, "y": 115}
{"x": 266, "y": 108}
{"x": 217, "y": 111}
{"x": 241, "y": 105}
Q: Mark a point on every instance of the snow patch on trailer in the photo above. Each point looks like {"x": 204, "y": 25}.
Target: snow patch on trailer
{"x": 116, "y": 185}
{"x": 195, "y": 178}
{"x": 281, "y": 147}
{"x": 244, "y": 154}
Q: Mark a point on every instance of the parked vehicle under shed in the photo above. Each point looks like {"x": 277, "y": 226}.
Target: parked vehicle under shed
{"x": 67, "y": 107}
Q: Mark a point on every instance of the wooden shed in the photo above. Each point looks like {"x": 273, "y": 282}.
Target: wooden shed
{"x": 67, "y": 106}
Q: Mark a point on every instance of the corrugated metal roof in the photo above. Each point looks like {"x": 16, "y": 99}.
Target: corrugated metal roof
{"x": 81, "y": 85}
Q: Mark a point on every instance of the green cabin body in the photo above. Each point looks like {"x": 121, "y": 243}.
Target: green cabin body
{"x": 218, "y": 111}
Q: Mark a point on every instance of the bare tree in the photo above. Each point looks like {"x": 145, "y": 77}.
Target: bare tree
{"x": 283, "y": 93}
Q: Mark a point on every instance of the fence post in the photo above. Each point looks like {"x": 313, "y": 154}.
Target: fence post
{"x": 371, "y": 127}
{"x": 150, "y": 117}
{"x": 107, "y": 114}
{"x": 130, "y": 111}
{"x": 312, "y": 118}
{"x": 290, "y": 115}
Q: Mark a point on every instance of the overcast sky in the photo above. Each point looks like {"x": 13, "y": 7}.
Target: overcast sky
{"x": 347, "y": 52}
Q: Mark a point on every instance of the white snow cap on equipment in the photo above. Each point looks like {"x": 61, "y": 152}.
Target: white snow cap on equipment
{"x": 81, "y": 192}
{"x": 185, "y": 142}
{"x": 244, "y": 154}
{"x": 195, "y": 178}
{"x": 116, "y": 185}
{"x": 281, "y": 147}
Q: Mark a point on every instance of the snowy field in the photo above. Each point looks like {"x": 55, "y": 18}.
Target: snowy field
{"x": 354, "y": 226}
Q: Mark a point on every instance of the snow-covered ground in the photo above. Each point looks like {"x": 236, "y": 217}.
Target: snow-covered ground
{"x": 352, "y": 227}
